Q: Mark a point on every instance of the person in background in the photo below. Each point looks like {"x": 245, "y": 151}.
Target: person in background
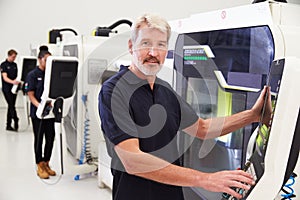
{"x": 34, "y": 87}
{"x": 141, "y": 116}
{"x": 9, "y": 73}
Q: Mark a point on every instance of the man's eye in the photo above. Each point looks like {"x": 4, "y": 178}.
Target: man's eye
{"x": 145, "y": 44}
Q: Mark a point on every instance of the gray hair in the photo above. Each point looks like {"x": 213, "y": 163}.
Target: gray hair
{"x": 152, "y": 21}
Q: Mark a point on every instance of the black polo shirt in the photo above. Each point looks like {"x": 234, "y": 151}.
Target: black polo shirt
{"x": 128, "y": 108}
{"x": 12, "y": 72}
{"x": 35, "y": 82}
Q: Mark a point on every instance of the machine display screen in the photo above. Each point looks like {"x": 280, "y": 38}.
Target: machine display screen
{"x": 192, "y": 54}
{"x": 63, "y": 77}
{"x": 28, "y": 65}
{"x": 70, "y": 50}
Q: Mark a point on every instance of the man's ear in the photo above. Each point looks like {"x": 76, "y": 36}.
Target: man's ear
{"x": 130, "y": 46}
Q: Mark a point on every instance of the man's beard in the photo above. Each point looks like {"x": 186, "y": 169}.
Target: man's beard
{"x": 147, "y": 69}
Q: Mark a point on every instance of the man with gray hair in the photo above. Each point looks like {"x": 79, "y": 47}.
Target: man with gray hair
{"x": 141, "y": 116}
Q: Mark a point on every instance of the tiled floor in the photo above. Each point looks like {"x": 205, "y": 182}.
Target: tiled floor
{"x": 19, "y": 180}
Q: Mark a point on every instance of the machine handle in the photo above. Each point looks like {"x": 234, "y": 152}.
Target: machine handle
{"x": 222, "y": 82}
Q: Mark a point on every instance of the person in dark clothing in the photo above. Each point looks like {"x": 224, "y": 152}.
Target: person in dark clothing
{"x": 140, "y": 119}
{"x": 9, "y": 73}
{"x": 34, "y": 87}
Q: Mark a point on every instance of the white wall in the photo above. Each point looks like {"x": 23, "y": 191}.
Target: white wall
{"x": 27, "y": 22}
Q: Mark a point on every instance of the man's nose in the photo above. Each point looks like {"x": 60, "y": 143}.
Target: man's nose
{"x": 153, "y": 51}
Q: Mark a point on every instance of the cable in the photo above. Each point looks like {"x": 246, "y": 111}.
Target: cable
{"x": 86, "y": 145}
{"x": 259, "y": 1}
{"x": 38, "y": 140}
{"x": 288, "y": 190}
{"x": 68, "y": 29}
{"x": 56, "y": 33}
{"x": 105, "y": 31}
{"x": 122, "y": 21}
{"x": 53, "y": 183}
{"x": 85, "y": 149}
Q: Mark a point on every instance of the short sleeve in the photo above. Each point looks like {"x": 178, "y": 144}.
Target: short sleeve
{"x": 188, "y": 115}
{"x": 116, "y": 122}
{"x": 3, "y": 68}
{"x": 30, "y": 84}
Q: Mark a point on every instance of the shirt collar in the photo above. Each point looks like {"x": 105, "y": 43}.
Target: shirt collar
{"x": 8, "y": 61}
{"x": 130, "y": 77}
{"x": 39, "y": 70}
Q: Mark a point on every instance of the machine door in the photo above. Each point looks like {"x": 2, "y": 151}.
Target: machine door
{"x": 220, "y": 73}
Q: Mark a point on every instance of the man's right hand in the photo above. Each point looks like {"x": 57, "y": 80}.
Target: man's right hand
{"x": 260, "y": 103}
{"x": 224, "y": 181}
{"x": 16, "y": 82}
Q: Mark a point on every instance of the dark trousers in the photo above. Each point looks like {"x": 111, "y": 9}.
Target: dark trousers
{"x": 43, "y": 129}
{"x": 11, "y": 110}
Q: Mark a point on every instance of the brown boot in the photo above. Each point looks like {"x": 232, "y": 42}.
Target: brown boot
{"x": 41, "y": 171}
{"x": 49, "y": 170}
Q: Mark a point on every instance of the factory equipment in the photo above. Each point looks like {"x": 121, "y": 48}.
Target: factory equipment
{"x": 222, "y": 59}
{"x": 82, "y": 124}
{"x": 277, "y": 144}
{"x": 56, "y": 100}
{"x": 28, "y": 63}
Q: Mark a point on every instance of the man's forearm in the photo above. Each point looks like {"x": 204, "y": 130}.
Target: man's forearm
{"x": 175, "y": 175}
{"x": 32, "y": 99}
{"x": 151, "y": 167}
{"x": 6, "y": 79}
{"x": 224, "y": 125}
{"x": 212, "y": 128}
{"x": 215, "y": 127}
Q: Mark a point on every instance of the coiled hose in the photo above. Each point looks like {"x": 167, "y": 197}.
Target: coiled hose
{"x": 85, "y": 154}
{"x": 288, "y": 190}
